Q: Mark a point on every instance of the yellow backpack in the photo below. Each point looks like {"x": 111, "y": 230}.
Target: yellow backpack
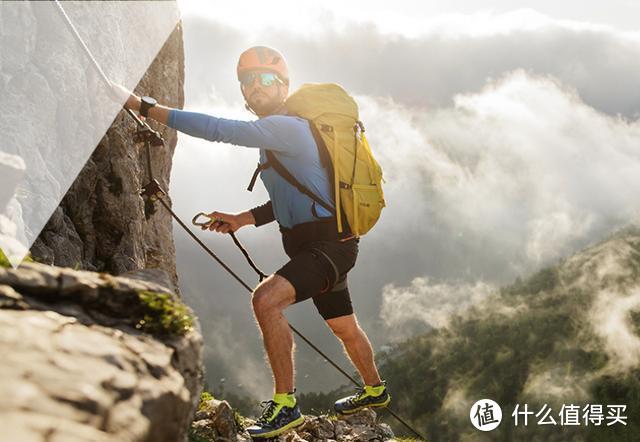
{"x": 357, "y": 177}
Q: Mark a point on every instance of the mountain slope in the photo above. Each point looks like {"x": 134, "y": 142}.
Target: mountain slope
{"x": 567, "y": 335}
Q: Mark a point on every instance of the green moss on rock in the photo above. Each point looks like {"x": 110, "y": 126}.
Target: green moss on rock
{"x": 163, "y": 314}
{"x": 205, "y": 397}
{"x": 4, "y": 261}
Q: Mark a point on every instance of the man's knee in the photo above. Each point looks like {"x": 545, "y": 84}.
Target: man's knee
{"x": 273, "y": 294}
{"x": 345, "y": 327}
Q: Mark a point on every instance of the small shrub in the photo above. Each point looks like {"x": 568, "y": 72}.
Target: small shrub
{"x": 239, "y": 420}
{"x": 205, "y": 397}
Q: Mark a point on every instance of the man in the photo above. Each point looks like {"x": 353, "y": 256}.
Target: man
{"x": 320, "y": 257}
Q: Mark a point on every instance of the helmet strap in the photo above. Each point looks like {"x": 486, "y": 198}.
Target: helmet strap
{"x": 246, "y": 103}
{"x": 247, "y": 107}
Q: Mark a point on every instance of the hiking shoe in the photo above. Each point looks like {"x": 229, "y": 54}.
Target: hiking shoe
{"x": 276, "y": 419}
{"x": 365, "y": 397}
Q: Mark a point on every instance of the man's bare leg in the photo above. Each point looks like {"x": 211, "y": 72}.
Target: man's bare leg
{"x": 357, "y": 346}
{"x": 270, "y": 298}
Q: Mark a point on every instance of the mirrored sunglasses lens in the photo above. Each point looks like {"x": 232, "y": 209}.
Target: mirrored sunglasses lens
{"x": 267, "y": 79}
{"x": 248, "y": 78}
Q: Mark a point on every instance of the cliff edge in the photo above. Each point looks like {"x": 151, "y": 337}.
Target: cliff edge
{"x": 95, "y": 357}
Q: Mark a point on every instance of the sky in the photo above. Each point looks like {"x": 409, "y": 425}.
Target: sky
{"x": 508, "y": 133}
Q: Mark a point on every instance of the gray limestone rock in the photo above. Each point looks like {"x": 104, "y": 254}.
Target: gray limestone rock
{"x": 102, "y": 223}
{"x": 319, "y": 427}
{"x": 71, "y": 374}
{"x": 90, "y": 356}
{"x": 216, "y": 422}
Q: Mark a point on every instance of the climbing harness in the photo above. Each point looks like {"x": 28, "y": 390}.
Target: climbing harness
{"x": 152, "y": 192}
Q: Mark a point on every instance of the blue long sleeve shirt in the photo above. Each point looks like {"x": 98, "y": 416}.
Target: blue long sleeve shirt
{"x": 291, "y": 141}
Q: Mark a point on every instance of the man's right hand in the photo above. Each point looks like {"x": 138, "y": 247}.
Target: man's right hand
{"x": 229, "y": 222}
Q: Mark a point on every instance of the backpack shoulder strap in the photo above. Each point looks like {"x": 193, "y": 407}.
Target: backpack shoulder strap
{"x": 284, "y": 173}
{"x": 254, "y": 177}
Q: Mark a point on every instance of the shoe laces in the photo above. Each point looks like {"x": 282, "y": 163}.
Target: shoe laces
{"x": 360, "y": 393}
{"x": 269, "y": 408}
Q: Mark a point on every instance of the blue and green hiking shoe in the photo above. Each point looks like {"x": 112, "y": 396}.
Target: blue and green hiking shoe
{"x": 279, "y": 415}
{"x": 366, "y": 397}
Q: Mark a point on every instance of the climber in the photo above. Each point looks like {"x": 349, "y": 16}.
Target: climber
{"x": 320, "y": 257}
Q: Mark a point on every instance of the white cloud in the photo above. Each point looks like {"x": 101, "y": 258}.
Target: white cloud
{"x": 409, "y": 18}
{"x": 430, "y": 303}
{"x": 522, "y": 169}
{"x": 611, "y": 320}
{"x": 556, "y": 384}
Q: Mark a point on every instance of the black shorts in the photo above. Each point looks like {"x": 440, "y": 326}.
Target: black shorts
{"x": 318, "y": 270}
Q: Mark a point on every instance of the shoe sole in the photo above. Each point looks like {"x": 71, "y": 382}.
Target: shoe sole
{"x": 280, "y": 430}
{"x": 355, "y": 410}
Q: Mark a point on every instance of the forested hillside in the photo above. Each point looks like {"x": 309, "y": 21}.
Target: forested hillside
{"x": 566, "y": 335}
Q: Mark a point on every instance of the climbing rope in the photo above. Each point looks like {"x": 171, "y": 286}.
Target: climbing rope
{"x": 207, "y": 224}
{"x": 153, "y": 192}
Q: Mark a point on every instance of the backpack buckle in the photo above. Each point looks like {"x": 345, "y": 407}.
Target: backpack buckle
{"x": 254, "y": 177}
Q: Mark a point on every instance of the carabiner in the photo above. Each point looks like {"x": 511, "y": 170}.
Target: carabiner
{"x": 211, "y": 220}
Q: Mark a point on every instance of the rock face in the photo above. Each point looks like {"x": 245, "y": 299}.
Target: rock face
{"x": 95, "y": 357}
{"x": 101, "y": 224}
{"x": 91, "y": 356}
{"x": 216, "y": 421}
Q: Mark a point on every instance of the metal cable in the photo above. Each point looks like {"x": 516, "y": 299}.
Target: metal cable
{"x": 253, "y": 265}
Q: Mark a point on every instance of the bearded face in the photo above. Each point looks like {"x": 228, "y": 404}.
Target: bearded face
{"x": 264, "y": 92}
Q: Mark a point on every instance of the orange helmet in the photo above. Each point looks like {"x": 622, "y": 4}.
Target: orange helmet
{"x": 263, "y": 58}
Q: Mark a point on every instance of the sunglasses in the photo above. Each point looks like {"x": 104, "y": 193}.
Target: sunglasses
{"x": 266, "y": 78}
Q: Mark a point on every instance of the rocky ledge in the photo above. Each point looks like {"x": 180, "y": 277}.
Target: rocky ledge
{"x": 217, "y": 421}
{"x": 94, "y": 357}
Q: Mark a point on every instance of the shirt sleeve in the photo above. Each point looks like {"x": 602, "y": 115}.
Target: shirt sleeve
{"x": 282, "y": 133}
{"x": 263, "y": 214}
